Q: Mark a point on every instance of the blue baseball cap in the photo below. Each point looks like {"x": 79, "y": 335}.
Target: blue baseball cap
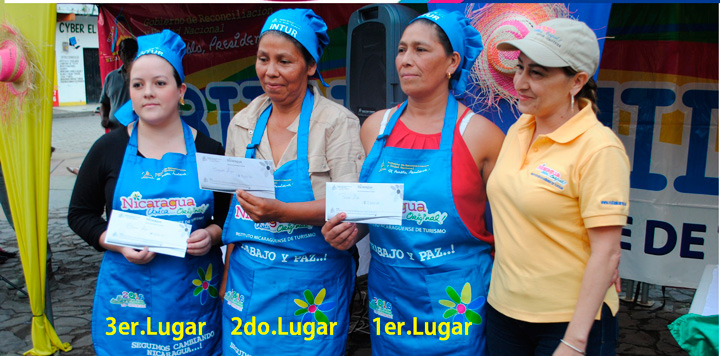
{"x": 464, "y": 39}
{"x": 166, "y": 44}
{"x": 304, "y": 26}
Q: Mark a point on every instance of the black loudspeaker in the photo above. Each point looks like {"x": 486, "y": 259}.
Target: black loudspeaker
{"x": 373, "y": 35}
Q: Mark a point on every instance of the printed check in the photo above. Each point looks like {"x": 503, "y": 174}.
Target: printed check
{"x": 137, "y": 231}
{"x": 226, "y": 174}
{"x": 371, "y": 203}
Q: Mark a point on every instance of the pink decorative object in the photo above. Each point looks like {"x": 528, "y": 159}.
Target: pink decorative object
{"x": 493, "y": 71}
{"x": 18, "y": 70}
{"x": 12, "y": 66}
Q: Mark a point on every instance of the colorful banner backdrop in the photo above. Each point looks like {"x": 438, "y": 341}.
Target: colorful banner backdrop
{"x": 658, "y": 90}
{"x": 221, "y": 46}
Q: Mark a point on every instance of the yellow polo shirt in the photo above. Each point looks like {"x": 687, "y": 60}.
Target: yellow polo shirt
{"x": 544, "y": 197}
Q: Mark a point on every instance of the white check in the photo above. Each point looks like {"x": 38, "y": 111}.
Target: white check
{"x": 226, "y": 174}
{"x": 137, "y": 231}
{"x": 371, "y": 203}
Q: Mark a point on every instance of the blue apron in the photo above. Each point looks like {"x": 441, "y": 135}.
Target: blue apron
{"x": 430, "y": 273}
{"x": 170, "y": 296}
{"x": 283, "y": 275}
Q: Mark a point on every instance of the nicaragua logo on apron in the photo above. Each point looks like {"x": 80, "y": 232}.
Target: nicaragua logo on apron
{"x": 273, "y": 226}
{"x": 419, "y": 212}
{"x": 162, "y": 206}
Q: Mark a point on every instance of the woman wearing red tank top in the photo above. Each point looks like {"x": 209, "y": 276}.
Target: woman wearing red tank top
{"x": 457, "y": 151}
{"x": 428, "y": 67}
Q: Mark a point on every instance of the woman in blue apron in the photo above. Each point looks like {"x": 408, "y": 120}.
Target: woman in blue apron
{"x": 288, "y": 291}
{"x": 428, "y": 278}
{"x": 148, "y": 303}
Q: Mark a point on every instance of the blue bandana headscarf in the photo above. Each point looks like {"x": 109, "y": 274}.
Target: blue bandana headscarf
{"x": 304, "y": 26}
{"x": 464, "y": 39}
{"x": 165, "y": 44}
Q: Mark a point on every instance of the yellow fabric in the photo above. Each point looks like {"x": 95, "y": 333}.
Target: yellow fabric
{"x": 544, "y": 196}
{"x": 25, "y": 156}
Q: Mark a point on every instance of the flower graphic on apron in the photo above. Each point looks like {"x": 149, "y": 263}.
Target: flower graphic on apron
{"x": 205, "y": 285}
{"x": 462, "y": 306}
{"x": 313, "y": 306}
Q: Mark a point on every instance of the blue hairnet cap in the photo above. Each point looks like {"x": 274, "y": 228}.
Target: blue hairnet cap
{"x": 166, "y": 44}
{"x": 464, "y": 39}
{"x": 304, "y": 26}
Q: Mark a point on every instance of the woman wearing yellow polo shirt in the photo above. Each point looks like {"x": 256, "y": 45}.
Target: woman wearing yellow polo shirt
{"x": 559, "y": 196}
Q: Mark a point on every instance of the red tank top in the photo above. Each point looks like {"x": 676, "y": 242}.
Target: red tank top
{"x": 467, "y": 183}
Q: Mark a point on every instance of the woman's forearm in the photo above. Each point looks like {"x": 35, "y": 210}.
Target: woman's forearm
{"x": 598, "y": 275}
{"x": 307, "y": 213}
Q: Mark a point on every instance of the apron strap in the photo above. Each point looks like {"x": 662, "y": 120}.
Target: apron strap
{"x": 132, "y": 148}
{"x": 189, "y": 140}
{"x": 303, "y": 134}
{"x": 448, "y": 130}
{"x": 449, "y": 122}
{"x": 259, "y": 131}
{"x": 303, "y": 128}
{"x": 446, "y": 139}
{"x": 391, "y": 123}
{"x": 463, "y": 124}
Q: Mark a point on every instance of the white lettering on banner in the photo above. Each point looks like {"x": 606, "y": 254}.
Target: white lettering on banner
{"x": 670, "y": 131}
{"x": 239, "y": 40}
{"x": 193, "y": 47}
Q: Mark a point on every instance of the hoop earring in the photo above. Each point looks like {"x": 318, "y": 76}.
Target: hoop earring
{"x": 449, "y": 75}
{"x": 182, "y": 101}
